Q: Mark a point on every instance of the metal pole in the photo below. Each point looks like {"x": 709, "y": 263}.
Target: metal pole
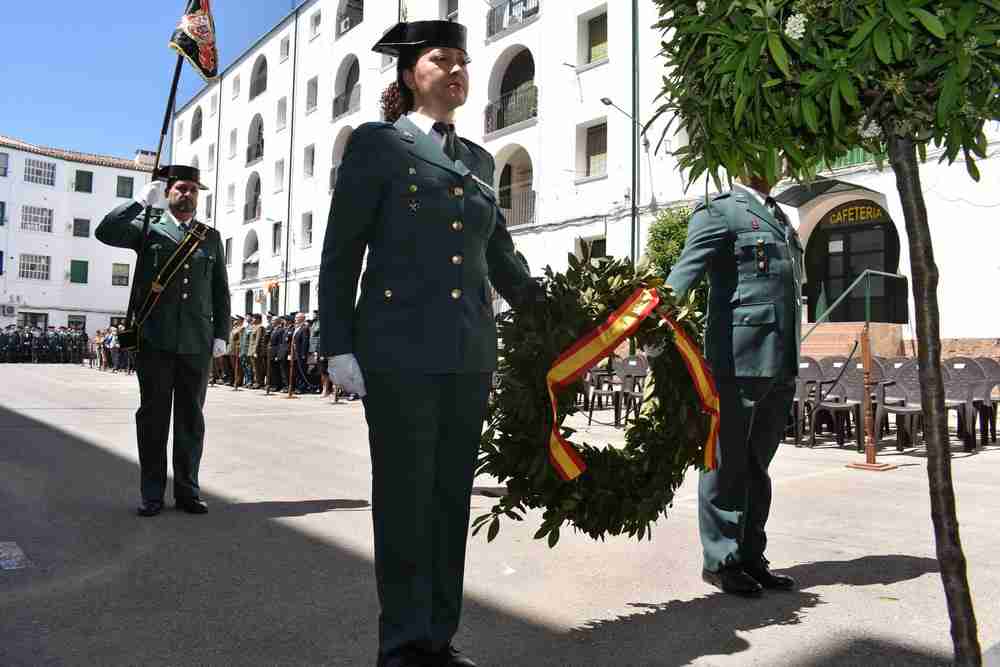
{"x": 291, "y": 163}
{"x": 866, "y": 398}
{"x": 156, "y": 165}
{"x": 635, "y": 132}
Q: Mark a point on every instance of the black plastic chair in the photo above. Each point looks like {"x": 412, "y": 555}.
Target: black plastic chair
{"x": 809, "y": 381}
{"x": 632, "y": 372}
{"x": 601, "y": 385}
{"x": 991, "y": 368}
{"x": 910, "y": 412}
{"x": 967, "y": 382}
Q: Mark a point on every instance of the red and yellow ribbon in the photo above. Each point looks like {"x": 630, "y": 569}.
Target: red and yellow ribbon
{"x": 590, "y": 349}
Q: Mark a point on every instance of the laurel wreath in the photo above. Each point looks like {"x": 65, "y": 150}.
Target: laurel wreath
{"x": 624, "y": 490}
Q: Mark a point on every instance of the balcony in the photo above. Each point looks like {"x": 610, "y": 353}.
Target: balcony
{"x": 255, "y": 152}
{"x": 251, "y": 269}
{"x": 518, "y": 208}
{"x": 251, "y": 211}
{"x": 853, "y": 158}
{"x": 509, "y": 15}
{"x": 347, "y": 102}
{"x": 333, "y": 179}
{"x": 512, "y": 108}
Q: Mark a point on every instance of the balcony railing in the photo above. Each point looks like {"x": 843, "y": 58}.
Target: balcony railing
{"x": 255, "y": 152}
{"x": 346, "y": 103}
{"x": 509, "y": 14}
{"x": 518, "y": 207}
{"x": 333, "y": 179}
{"x": 852, "y": 158}
{"x": 514, "y": 107}
{"x": 251, "y": 270}
{"x": 251, "y": 211}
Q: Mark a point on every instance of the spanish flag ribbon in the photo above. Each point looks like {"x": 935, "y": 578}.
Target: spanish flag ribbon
{"x": 597, "y": 344}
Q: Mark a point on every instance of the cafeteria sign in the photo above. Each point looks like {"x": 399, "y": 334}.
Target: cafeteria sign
{"x": 857, "y": 212}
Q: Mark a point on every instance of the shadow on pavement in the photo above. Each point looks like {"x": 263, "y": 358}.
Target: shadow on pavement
{"x": 236, "y": 587}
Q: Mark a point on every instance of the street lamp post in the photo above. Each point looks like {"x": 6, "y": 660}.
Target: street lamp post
{"x": 636, "y": 183}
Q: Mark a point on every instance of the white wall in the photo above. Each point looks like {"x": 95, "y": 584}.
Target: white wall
{"x": 567, "y": 206}
{"x": 98, "y": 299}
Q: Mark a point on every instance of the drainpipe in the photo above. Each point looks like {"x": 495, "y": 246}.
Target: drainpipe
{"x": 291, "y": 163}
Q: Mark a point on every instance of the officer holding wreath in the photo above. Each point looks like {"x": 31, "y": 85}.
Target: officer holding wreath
{"x": 420, "y": 345}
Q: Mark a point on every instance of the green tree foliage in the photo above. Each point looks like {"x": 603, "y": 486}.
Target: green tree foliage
{"x": 773, "y": 88}
{"x": 666, "y": 240}
{"x": 766, "y": 88}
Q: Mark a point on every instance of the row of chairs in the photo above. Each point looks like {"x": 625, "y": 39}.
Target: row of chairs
{"x": 619, "y": 382}
{"x": 833, "y": 387}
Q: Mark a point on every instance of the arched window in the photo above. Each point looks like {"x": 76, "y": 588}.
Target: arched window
{"x": 251, "y": 209}
{"x": 350, "y": 15}
{"x": 251, "y": 256}
{"x": 258, "y": 82}
{"x": 348, "y": 88}
{"x": 255, "y": 140}
{"x": 513, "y": 94}
{"x": 196, "y": 125}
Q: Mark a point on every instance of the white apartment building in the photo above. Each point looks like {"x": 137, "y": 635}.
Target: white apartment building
{"x": 550, "y": 91}
{"x": 53, "y": 272}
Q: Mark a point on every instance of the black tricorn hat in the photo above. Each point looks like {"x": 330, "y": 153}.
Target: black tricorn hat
{"x": 422, "y": 35}
{"x": 180, "y": 172}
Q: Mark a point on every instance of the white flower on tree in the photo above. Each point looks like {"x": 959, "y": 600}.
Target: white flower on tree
{"x": 869, "y": 129}
{"x": 795, "y": 26}
{"x": 702, "y": 6}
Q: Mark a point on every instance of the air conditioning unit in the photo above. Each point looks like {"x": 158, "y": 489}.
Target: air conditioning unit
{"x": 7, "y": 311}
{"x": 345, "y": 24}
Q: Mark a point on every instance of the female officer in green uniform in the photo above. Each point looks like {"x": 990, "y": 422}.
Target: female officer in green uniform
{"x": 420, "y": 344}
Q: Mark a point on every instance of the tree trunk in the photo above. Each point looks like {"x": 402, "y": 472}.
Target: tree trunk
{"x": 951, "y": 559}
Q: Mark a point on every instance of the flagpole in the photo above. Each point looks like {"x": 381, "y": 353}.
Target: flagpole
{"x": 156, "y": 166}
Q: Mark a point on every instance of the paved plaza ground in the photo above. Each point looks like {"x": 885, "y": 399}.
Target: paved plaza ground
{"x": 280, "y": 571}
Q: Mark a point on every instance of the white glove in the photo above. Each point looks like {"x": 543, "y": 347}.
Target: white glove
{"x": 345, "y": 372}
{"x": 219, "y": 348}
{"x": 153, "y": 194}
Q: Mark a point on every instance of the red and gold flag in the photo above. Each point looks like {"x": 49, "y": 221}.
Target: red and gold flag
{"x": 194, "y": 38}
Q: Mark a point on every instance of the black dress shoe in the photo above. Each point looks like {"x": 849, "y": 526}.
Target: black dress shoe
{"x": 149, "y": 508}
{"x": 762, "y": 573}
{"x": 452, "y": 657}
{"x": 192, "y": 505}
{"x": 733, "y": 580}
{"x": 409, "y": 657}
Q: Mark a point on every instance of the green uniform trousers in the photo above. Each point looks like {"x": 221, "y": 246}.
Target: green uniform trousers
{"x": 424, "y": 433}
{"x": 178, "y": 380}
{"x": 734, "y": 500}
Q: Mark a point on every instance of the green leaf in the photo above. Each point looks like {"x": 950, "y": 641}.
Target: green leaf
{"x": 863, "y": 32}
{"x": 778, "y": 53}
{"x": 848, "y": 90}
{"x": 964, "y": 65}
{"x": 898, "y": 10}
{"x": 494, "y": 529}
{"x": 835, "y": 116}
{"x": 898, "y": 48}
{"x": 553, "y": 537}
{"x": 966, "y": 15}
{"x": 970, "y": 166}
{"x": 741, "y": 104}
{"x": 810, "y": 113}
{"x": 949, "y": 95}
{"x": 883, "y": 46}
{"x": 931, "y": 22}
{"x": 771, "y": 83}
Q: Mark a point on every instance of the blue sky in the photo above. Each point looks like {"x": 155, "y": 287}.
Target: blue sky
{"x": 94, "y": 76}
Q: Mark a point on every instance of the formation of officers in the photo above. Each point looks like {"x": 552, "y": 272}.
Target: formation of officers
{"x": 62, "y": 345}
{"x": 272, "y": 352}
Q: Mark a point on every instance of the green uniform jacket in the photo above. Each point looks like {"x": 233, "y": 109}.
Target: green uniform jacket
{"x": 436, "y": 239}
{"x": 194, "y": 308}
{"x": 754, "y": 310}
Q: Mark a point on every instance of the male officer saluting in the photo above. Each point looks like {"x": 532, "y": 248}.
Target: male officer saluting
{"x": 186, "y": 326}
{"x": 753, "y": 258}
